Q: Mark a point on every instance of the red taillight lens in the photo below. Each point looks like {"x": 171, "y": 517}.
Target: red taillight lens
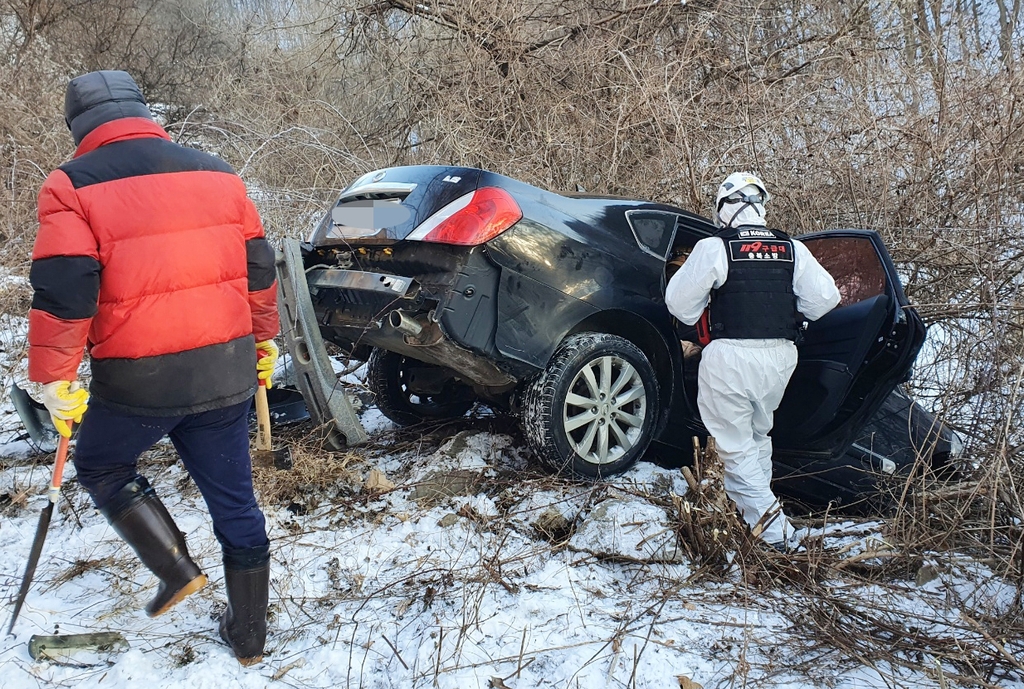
{"x": 489, "y": 212}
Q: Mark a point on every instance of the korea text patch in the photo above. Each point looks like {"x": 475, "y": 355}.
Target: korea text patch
{"x": 757, "y": 250}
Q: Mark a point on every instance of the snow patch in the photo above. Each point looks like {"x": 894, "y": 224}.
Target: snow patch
{"x": 628, "y": 530}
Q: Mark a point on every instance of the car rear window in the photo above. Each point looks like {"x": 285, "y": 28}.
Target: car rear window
{"x": 853, "y": 263}
{"x": 653, "y": 230}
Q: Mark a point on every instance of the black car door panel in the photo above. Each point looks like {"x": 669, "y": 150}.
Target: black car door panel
{"x": 833, "y": 349}
{"x": 846, "y": 333}
{"x": 848, "y": 359}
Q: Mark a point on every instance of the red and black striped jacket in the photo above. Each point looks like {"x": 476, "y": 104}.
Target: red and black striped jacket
{"x": 152, "y": 256}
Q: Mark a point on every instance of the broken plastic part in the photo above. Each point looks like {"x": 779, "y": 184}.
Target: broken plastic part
{"x": 326, "y": 399}
{"x": 64, "y": 647}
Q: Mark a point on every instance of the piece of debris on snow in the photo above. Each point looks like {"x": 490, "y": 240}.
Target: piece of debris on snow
{"x": 551, "y": 512}
{"x": 377, "y": 482}
{"x": 927, "y": 573}
{"x": 449, "y": 520}
{"x": 551, "y": 523}
{"x": 441, "y": 485}
{"x": 628, "y": 529}
{"x": 472, "y": 449}
{"x": 459, "y": 467}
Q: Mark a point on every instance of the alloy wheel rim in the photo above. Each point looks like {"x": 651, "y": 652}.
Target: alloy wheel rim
{"x": 604, "y": 410}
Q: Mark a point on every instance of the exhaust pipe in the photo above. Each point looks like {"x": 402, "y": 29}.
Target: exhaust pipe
{"x": 426, "y": 342}
{"x": 403, "y": 323}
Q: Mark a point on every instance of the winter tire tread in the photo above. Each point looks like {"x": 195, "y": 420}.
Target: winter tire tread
{"x": 382, "y": 378}
{"x": 540, "y": 410}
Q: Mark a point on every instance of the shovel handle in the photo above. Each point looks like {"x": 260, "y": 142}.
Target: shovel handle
{"x": 259, "y": 355}
{"x": 263, "y": 438}
{"x": 58, "y": 467}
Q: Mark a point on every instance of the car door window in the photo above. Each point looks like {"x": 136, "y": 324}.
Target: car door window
{"x": 653, "y": 230}
{"x": 688, "y": 232}
{"x": 854, "y": 264}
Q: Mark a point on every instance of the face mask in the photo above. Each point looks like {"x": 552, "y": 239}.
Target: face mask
{"x": 740, "y": 213}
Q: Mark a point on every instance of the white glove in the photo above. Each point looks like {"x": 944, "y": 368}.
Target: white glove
{"x": 66, "y": 401}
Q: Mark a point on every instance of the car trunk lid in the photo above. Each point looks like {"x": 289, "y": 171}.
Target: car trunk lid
{"x": 385, "y": 206}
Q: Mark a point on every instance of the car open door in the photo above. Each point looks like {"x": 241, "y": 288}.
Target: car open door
{"x": 851, "y": 358}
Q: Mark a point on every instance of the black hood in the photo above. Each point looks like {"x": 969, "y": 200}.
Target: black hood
{"x": 99, "y": 97}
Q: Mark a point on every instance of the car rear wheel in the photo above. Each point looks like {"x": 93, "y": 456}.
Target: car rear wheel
{"x": 592, "y": 411}
{"x": 408, "y": 391}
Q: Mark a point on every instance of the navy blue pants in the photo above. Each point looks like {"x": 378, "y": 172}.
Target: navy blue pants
{"x": 213, "y": 445}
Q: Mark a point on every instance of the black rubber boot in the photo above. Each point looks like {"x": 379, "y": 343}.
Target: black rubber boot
{"x": 139, "y": 517}
{"x": 243, "y": 626}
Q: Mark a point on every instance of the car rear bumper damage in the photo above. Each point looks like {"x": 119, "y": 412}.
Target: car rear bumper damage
{"x": 393, "y": 286}
{"x": 362, "y": 308}
{"x": 326, "y": 399}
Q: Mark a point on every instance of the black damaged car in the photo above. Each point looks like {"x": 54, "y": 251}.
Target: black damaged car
{"x": 459, "y": 286}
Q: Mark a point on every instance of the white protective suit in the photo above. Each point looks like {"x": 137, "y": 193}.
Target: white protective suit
{"x": 740, "y": 383}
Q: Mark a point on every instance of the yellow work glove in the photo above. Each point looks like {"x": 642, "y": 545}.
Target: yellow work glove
{"x": 65, "y": 400}
{"x": 266, "y": 358}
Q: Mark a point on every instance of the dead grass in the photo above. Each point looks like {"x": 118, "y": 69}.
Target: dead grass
{"x": 844, "y": 603}
{"x": 80, "y": 567}
{"x": 316, "y": 474}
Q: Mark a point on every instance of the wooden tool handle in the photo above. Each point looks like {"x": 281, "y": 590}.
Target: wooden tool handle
{"x": 263, "y": 440}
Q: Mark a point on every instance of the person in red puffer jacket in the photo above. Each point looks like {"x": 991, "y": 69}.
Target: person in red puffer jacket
{"x": 151, "y": 256}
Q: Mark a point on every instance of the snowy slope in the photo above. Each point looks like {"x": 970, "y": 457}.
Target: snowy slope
{"x": 476, "y": 570}
{"x": 461, "y": 591}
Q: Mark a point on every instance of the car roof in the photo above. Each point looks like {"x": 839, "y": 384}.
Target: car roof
{"x": 640, "y": 203}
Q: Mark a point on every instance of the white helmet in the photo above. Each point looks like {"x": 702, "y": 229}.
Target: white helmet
{"x": 742, "y": 196}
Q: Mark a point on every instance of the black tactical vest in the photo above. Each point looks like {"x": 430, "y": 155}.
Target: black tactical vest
{"x": 757, "y": 300}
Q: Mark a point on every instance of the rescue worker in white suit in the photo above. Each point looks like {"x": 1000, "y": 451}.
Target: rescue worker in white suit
{"x": 760, "y": 286}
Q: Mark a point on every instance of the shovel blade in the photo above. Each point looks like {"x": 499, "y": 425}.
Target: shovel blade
{"x": 35, "y": 419}
{"x": 278, "y": 459}
{"x": 33, "y": 560}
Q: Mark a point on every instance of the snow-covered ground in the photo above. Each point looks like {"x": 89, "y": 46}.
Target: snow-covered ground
{"x": 475, "y": 570}
{"x": 462, "y": 576}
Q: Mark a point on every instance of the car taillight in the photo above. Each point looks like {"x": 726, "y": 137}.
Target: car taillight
{"x": 472, "y": 219}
